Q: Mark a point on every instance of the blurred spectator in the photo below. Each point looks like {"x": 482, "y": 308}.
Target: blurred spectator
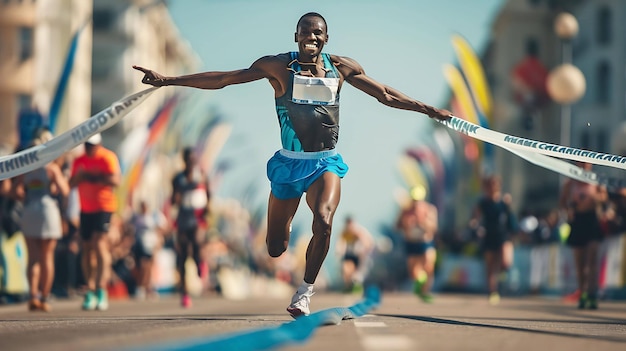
{"x": 615, "y": 213}
{"x": 67, "y": 272}
{"x": 582, "y": 202}
{"x": 124, "y": 271}
{"x": 418, "y": 224}
{"x": 148, "y": 228}
{"x": 495, "y": 222}
{"x": 41, "y": 223}
{"x": 96, "y": 174}
{"x": 548, "y": 229}
{"x": 355, "y": 245}
{"x": 191, "y": 196}
{"x": 541, "y": 229}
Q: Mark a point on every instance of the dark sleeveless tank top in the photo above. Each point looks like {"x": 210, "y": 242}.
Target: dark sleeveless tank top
{"x": 309, "y": 125}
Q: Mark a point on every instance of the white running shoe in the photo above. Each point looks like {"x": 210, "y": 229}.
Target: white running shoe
{"x": 300, "y": 304}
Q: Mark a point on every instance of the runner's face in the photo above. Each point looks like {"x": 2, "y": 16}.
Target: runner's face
{"x": 311, "y": 37}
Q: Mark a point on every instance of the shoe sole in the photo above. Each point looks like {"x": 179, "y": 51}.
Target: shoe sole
{"x": 296, "y": 312}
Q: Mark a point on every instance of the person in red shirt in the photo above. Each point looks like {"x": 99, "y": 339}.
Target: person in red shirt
{"x": 96, "y": 174}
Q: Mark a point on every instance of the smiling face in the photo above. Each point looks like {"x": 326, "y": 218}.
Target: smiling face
{"x": 311, "y": 36}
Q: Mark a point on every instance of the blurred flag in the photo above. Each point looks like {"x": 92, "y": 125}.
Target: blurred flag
{"x": 425, "y": 156}
{"x": 160, "y": 121}
{"x": 141, "y": 149}
{"x": 28, "y": 122}
{"x": 412, "y": 174}
{"x": 475, "y": 75}
{"x": 213, "y": 145}
{"x": 57, "y": 101}
{"x": 478, "y": 86}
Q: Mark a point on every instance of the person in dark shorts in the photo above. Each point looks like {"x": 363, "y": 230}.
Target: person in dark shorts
{"x": 582, "y": 201}
{"x": 149, "y": 227}
{"x": 355, "y": 245}
{"x": 191, "y": 195}
{"x": 96, "y": 174}
{"x": 419, "y": 223}
{"x": 495, "y": 222}
{"x": 307, "y": 85}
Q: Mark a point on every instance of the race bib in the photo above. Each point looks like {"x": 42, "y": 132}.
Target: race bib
{"x": 195, "y": 199}
{"x": 314, "y": 90}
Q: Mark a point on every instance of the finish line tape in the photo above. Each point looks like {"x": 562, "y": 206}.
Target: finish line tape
{"x": 295, "y": 332}
{"x": 39, "y": 155}
{"x": 544, "y": 154}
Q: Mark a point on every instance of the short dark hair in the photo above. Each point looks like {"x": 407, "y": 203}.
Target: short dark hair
{"x": 311, "y": 14}
{"x": 187, "y": 152}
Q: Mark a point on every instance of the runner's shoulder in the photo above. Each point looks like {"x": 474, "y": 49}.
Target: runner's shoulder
{"x": 283, "y": 58}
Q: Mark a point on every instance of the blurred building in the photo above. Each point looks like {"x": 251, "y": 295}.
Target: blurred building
{"x": 34, "y": 40}
{"x": 523, "y": 48}
{"x": 35, "y": 36}
{"x": 127, "y": 33}
{"x": 600, "y": 52}
{"x": 522, "y": 51}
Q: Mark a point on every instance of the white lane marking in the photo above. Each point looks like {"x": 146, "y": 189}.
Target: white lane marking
{"x": 387, "y": 342}
{"x": 376, "y": 337}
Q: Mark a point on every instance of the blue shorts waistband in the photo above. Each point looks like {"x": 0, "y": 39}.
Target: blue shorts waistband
{"x": 304, "y": 155}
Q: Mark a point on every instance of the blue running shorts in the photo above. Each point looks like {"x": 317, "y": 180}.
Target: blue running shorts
{"x": 291, "y": 172}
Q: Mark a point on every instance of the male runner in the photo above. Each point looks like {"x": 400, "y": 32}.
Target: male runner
{"x": 307, "y": 85}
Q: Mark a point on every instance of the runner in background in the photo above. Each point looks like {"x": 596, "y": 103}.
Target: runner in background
{"x": 419, "y": 223}
{"x": 582, "y": 203}
{"x": 494, "y": 222}
{"x": 149, "y": 227}
{"x": 191, "y": 196}
{"x": 96, "y": 174}
{"x": 355, "y": 245}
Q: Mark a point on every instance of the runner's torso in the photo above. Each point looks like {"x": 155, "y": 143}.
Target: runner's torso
{"x": 308, "y": 112}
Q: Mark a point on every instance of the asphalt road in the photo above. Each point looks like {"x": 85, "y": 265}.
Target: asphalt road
{"x": 399, "y": 322}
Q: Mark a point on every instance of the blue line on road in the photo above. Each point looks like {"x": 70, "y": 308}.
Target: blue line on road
{"x": 297, "y": 331}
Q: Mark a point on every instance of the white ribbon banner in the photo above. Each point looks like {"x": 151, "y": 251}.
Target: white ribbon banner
{"x": 39, "y": 155}
{"x": 539, "y": 153}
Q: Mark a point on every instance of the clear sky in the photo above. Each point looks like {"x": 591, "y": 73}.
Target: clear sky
{"x": 401, "y": 43}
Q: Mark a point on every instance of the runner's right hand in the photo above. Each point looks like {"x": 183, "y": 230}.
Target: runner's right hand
{"x": 151, "y": 77}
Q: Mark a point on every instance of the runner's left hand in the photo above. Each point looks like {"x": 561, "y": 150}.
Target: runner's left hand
{"x": 439, "y": 114}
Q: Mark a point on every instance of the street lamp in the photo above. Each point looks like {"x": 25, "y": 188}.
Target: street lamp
{"x": 566, "y": 83}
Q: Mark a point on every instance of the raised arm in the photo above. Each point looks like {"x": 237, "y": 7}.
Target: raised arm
{"x": 261, "y": 68}
{"x": 354, "y": 74}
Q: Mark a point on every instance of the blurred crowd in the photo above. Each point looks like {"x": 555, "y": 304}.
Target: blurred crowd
{"x": 149, "y": 258}
{"x": 179, "y": 246}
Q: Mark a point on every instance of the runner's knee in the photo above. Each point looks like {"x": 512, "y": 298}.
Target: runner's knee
{"x": 322, "y": 224}
{"x": 276, "y": 248}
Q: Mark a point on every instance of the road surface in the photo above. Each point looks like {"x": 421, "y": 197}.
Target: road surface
{"x": 399, "y": 322}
